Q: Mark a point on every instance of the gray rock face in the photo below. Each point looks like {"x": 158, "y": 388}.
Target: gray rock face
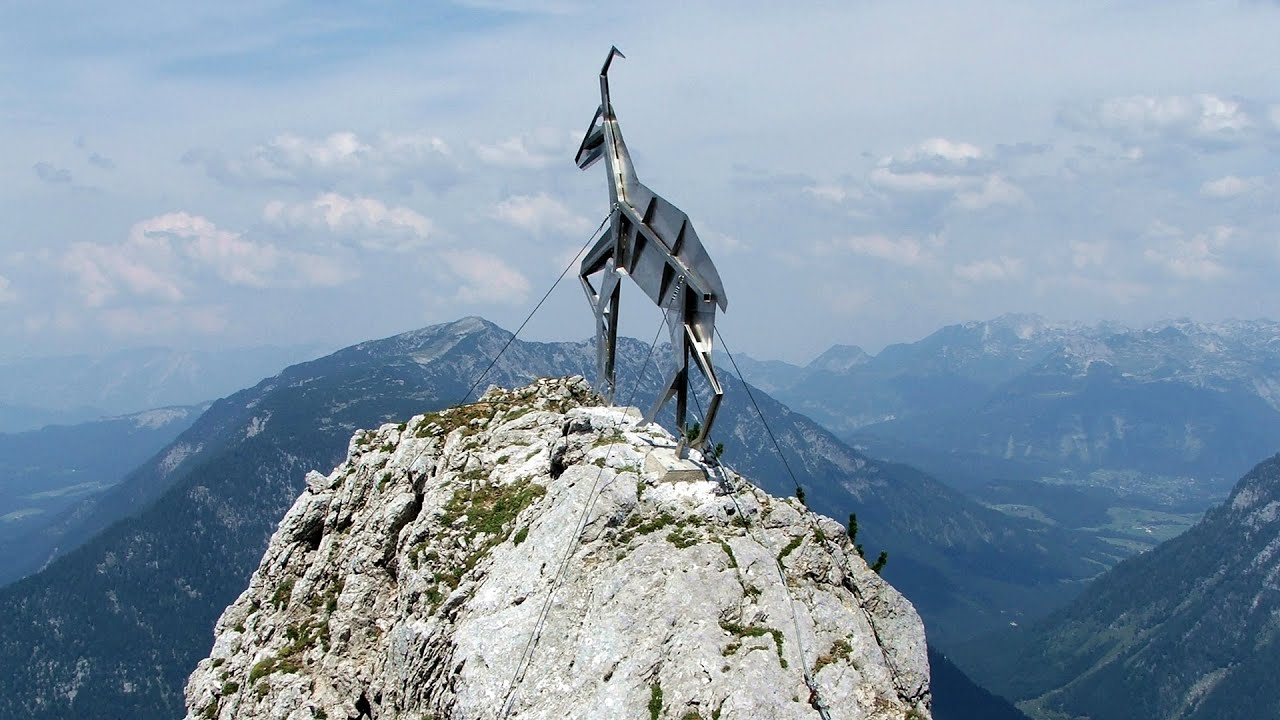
{"x": 534, "y": 556}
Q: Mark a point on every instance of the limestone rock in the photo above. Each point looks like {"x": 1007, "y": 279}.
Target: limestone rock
{"x": 536, "y": 556}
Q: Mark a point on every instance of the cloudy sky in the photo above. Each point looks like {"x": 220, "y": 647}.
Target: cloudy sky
{"x": 239, "y": 173}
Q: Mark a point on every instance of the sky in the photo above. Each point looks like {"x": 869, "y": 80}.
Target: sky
{"x": 214, "y": 175}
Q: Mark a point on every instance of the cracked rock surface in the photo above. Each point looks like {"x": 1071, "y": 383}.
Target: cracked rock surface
{"x": 534, "y": 556}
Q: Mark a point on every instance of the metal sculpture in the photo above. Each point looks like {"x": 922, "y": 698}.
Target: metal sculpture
{"x": 653, "y": 242}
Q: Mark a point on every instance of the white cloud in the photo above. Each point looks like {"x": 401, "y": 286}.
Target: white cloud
{"x": 540, "y": 213}
{"x": 721, "y": 243}
{"x": 162, "y": 256}
{"x": 1196, "y": 258}
{"x": 833, "y": 193}
{"x": 1229, "y": 186}
{"x": 533, "y": 150}
{"x": 390, "y": 159}
{"x": 938, "y": 165}
{"x": 368, "y": 222}
{"x": 956, "y": 152}
{"x": 995, "y": 190}
{"x": 486, "y": 278}
{"x": 148, "y": 320}
{"x": 1202, "y": 118}
{"x": 903, "y": 251}
{"x": 919, "y": 181}
{"x": 1122, "y": 292}
{"x": 7, "y": 294}
{"x": 990, "y": 269}
{"x": 144, "y": 265}
{"x": 232, "y": 258}
{"x": 1084, "y": 254}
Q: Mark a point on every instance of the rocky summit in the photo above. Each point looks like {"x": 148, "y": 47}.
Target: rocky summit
{"x": 536, "y": 555}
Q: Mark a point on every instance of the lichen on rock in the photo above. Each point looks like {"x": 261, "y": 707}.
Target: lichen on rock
{"x": 416, "y": 581}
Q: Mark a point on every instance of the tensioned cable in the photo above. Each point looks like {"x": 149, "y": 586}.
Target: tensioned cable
{"x": 593, "y": 496}
{"x": 809, "y": 680}
{"x": 760, "y": 413}
{"x": 512, "y": 339}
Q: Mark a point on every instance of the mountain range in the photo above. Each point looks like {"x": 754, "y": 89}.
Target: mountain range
{"x": 1187, "y": 631}
{"x": 72, "y": 389}
{"x": 112, "y": 628}
{"x": 56, "y": 472}
{"x": 1129, "y": 434}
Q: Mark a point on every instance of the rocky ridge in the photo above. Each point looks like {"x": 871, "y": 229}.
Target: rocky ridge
{"x": 412, "y": 582}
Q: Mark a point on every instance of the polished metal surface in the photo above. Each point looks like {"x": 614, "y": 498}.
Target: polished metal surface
{"x": 654, "y": 243}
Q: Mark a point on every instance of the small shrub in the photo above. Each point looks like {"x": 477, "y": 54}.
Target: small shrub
{"x": 880, "y": 562}
{"x": 693, "y": 432}
{"x": 521, "y": 535}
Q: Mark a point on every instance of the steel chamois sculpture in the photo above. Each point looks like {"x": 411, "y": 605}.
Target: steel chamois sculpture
{"x": 654, "y": 243}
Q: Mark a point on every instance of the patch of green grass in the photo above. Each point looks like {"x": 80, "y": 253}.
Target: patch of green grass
{"x": 490, "y": 511}
{"x": 733, "y": 560}
{"x": 230, "y": 687}
{"x": 280, "y": 598}
{"x": 517, "y": 412}
{"x": 683, "y": 537}
{"x": 638, "y": 525}
{"x": 746, "y": 631}
{"x": 655, "y": 701}
{"x": 613, "y": 437}
{"x": 840, "y": 650}
{"x": 521, "y": 535}
{"x": 791, "y": 546}
{"x": 490, "y": 508}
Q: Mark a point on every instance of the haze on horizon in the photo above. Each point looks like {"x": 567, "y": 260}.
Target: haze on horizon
{"x": 250, "y": 173}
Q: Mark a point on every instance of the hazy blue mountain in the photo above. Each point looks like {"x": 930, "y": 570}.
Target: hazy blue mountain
{"x": 112, "y": 629}
{"x": 1187, "y": 630}
{"x": 956, "y": 697}
{"x": 1130, "y": 433}
{"x": 76, "y": 388}
{"x": 17, "y": 418}
{"x": 45, "y": 473}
